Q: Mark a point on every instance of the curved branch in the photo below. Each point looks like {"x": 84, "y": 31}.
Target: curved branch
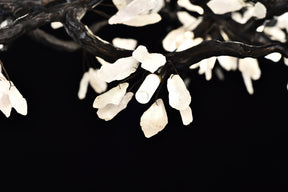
{"x": 83, "y": 35}
{"x": 217, "y": 48}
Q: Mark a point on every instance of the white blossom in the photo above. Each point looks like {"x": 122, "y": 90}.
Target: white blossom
{"x": 149, "y": 61}
{"x": 250, "y": 70}
{"x": 10, "y": 97}
{"x": 182, "y": 38}
{"x": 119, "y": 70}
{"x": 111, "y": 110}
{"x": 228, "y": 62}
{"x": 275, "y": 33}
{"x": 56, "y": 25}
{"x": 93, "y": 78}
{"x": 206, "y": 66}
{"x": 179, "y": 96}
{"x": 113, "y": 96}
{"x": 275, "y": 57}
{"x": 147, "y": 88}
{"x": 189, "y": 6}
{"x": 186, "y": 116}
{"x": 125, "y": 43}
{"x": 224, "y": 6}
{"x": 154, "y": 119}
{"x": 285, "y": 61}
{"x": 137, "y": 12}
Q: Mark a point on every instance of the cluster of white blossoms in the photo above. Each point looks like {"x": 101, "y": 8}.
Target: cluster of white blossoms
{"x": 140, "y": 13}
{"x": 10, "y": 97}
{"x": 113, "y": 101}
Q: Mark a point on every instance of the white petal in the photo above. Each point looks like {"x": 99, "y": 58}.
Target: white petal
{"x": 83, "y": 86}
{"x": 185, "y": 18}
{"x": 250, "y": 67}
{"x": 113, "y": 96}
{"x": 206, "y": 66}
{"x": 282, "y": 20}
{"x": 188, "y": 43}
{"x": 124, "y": 43}
{"x": 173, "y": 39}
{"x": 143, "y": 20}
{"x": 119, "y": 70}
{"x": 96, "y": 82}
{"x": 56, "y": 25}
{"x": 189, "y": 6}
{"x": 224, "y": 6}
{"x": 110, "y": 111}
{"x": 275, "y": 33}
{"x": 275, "y": 57}
{"x": 18, "y": 102}
{"x": 228, "y": 62}
{"x": 186, "y": 116}
{"x": 140, "y": 53}
{"x": 154, "y": 119}
{"x": 149, "y": 61}
{"x": 260, "y": 10}
{"x": 147, "y": 88}
{"x": 248, "y": 83}
{"x": 5, "y": 104}
{"x": 102, "y": 61}
{"x": 135, "y": 8}
{"x": 179, "y": 96}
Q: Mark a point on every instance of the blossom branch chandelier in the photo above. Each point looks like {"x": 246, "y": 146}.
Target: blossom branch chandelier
{"x": 198, "y": 35}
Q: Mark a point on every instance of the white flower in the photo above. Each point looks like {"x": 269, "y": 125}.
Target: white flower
{"x": 149, "y": 61}
{"x": 186, "y": 116}
{"x": 250, "y": 70}
{"x": 182, "y": 38}
{"x": 258, "y": 10}
{"x": 275, "y": 57}
{"x": 179, "y": 96}
{"x": 137, "y": 12}
{"x": 10, "y": 97}
{"x": 111, "y": 110}
{"x": 147, "y": 88}
{"x": 125, "y": 43}
{"x": 91, "y": 77}
{"x": 189, "y": 6}
{"x": 228, "y": 62}
{"x": 113, "y": 96}
{"x": 205, "y": 67}
{"x": 224, "y": 6}
{"x": 154, "y": 119}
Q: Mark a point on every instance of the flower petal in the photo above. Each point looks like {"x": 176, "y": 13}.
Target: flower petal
{"x": 124, "y": 43}
{"x": 179, "y": 96}
{"x": 186, "y": 116}
{"x": 119, "y": 70}
{"x": 147, "y": 88}
{"x": 222, "y": 6}
{"x": 83, "y": 86}
{"x": 154, "y": 119}
{"x": 113, "y": 96}
{"x": 18, "y": 102}
{"x": 110, "y": 111}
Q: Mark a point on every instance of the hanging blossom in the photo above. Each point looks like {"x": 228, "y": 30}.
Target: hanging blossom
{"x": 10, "y": 97}
{"x": 137, "y": 12}
{"x": 182, "y": 38}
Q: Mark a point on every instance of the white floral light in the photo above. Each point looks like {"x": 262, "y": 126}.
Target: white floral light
{"x": 93, "y": 78}
{"x": 113, "y": 96}
{"x": 149, "y": 61}
{"x": 179, "y": 96}
{"x": 223, "y": 6}
{"x": 136, "y": 12}
{"x": 154, "y": 119}
{"x": 10, "y": 97}
{"x": 147, "y": 88}
{"x": 250, "y": 70}
{"x": 111, "y": 110}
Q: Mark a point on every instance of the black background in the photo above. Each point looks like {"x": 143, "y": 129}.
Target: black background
{"x": 61, "y": 140}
